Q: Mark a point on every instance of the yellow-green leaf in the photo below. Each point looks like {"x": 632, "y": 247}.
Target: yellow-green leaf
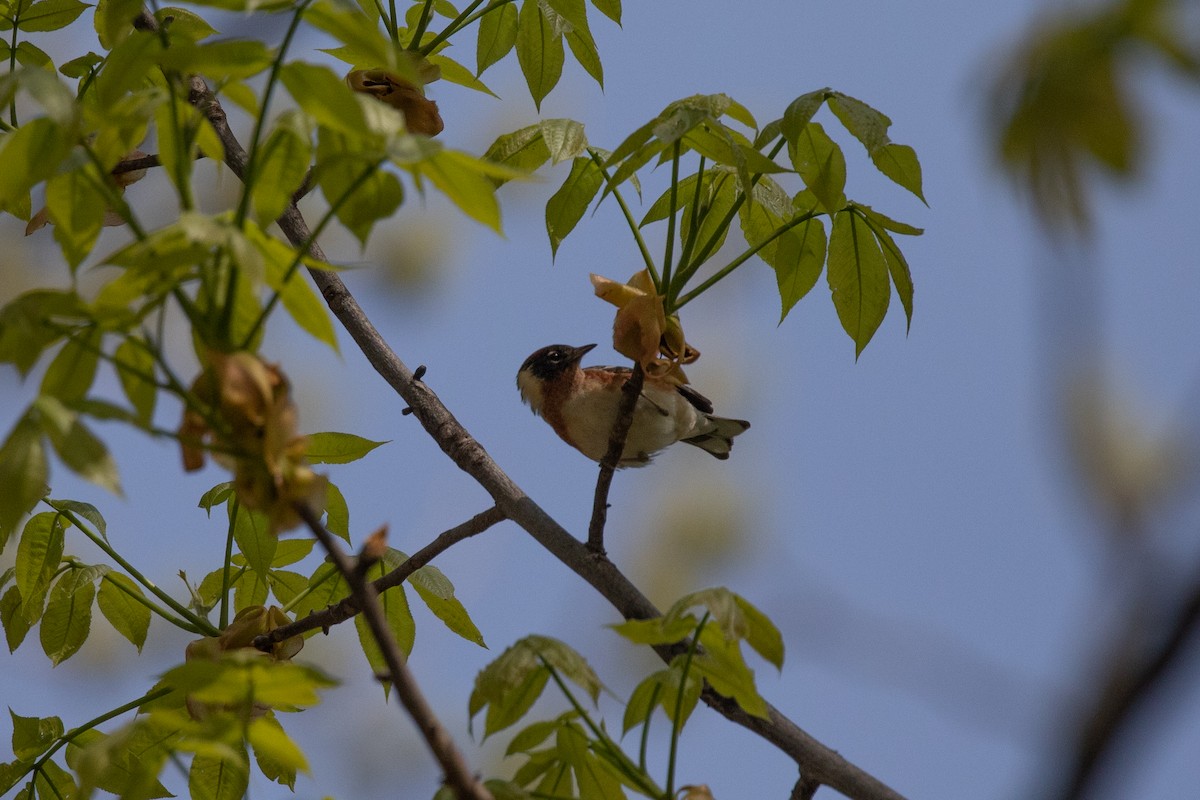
{"x": 23, "y": 474}
{"x": 135, "y": 369}
{"x": 32, "y": 736}
{"x": 338, "y": 448}
{"x": 435, "y": 589}
{"x": 858, "y": 278}
{"x": 539, "y": 51}
{"x": 497, "y": 35}
{"x": 566, "y": 207}
{"x": 126, "y": 614}
{"x": 68, "y": 616}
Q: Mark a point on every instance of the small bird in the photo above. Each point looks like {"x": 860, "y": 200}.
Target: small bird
{"x": 581, "y": 403}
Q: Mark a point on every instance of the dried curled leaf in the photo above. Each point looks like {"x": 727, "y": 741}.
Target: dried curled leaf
{"x": 420, "y": 113}
{"x": 250, "y": 402}
{"x": 642, "y": 330}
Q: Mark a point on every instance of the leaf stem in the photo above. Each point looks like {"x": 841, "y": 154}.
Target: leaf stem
{"x": 200, "y": 623}
{"x": 677, "y": 721}
{"x": 250, "y": 176}
{"x": 461, "y": 21}
{"x": 644, "y": 744}
{"x": 669, "y": 256}
{"x": 743, "y": 258}
{"x": 633, "y": 227}
{"x": 419, "y": 32}
{"x": 234, "y": 507}
{"x": 154, "y": 607}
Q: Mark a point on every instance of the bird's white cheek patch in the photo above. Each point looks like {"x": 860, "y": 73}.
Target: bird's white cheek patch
{"x": 531, "y": 391}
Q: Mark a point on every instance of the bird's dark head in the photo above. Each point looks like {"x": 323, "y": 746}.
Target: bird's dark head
{"x": 553, "y": 360}
{"x": 543, "y": 367}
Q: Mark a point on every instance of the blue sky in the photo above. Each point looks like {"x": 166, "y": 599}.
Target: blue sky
{"x": 911, "y": 521}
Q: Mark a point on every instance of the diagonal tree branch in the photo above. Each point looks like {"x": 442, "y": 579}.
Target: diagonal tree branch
{"x": 349, "y": 607}
{"x": 822, "y": 764}
{"x": 458, "y": 776}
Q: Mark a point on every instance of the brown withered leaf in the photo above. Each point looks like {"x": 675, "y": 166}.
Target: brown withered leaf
{"x": 420, "y": 113}
{"x": 258, "y": 440}
{"x": 642, "y": 330}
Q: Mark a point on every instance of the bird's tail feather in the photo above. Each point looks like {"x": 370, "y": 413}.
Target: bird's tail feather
{"x": 718, "y": 440}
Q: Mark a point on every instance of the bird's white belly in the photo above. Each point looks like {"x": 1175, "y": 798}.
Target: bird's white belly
{"x": 590, "y": 416}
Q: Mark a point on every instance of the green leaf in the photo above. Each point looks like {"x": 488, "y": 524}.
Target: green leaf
{"x": 30, "y": 154}
{"x": 38, "y": 556}
{"x": 33, "y": 736}
{"x": 68, "y": 617}
{"x": 78, "y": 447}
{"x": 337, "y": 513}
{"x": 564, "y": 138}
{"x": 23, "y": 474}
{"x": 270, "y": 742}
{"x": 869, "y": 126}
{"x": 797, "y": 255}
{"x": 399, "y": 620}
{"x": 77, "y": 206}
{"x": 567, "y": 206}
{"x": 337, "y": 448}
{"x": 126, "y": 763}
{"x": 800, "y": 112}
{"x": 216, "y": 496}
{"x": 761, "y": 633}
{"x": 51, "y": 15}
{"x": 114, "y": 20}
{"x": 183, "y": 23}
{"x": 718, "y": 193}
{"x": 297, "y": 295}
{"x": 116, "y": 600}
{"x": 539, "y": 51}
{"x": 467, "y": 182}
{"x": 52, "y": 782}
{"x": 81, "y": 66}
{"x": 252, "y": 532}
{"x": 289, "y": 551}
{"x": 821, "y": 165}
{"x": 329, "y": 587}
{"x": 29, "y": 55}
{"x": 370, "y": 200}
{"x": 85, "y": 510}
{"x": 324, "y": 97}
{"x": 497, "y": 36}
{"x": 73, "y": 370}
{"x": 213, "y": 778}
{"x": 16, "y": 626}
{"x": 523, "y": 149}
{"x": 365, "y": 42}
{"x": 286, "y": 585}
{"x": 281, "y": 168}
{"x": 437, "y": 591}
{"x": 531, "y": 736}
{"x": 658, "y": 630}
{"x": 858, "y": 278}
{"x": 134, "y": 362}
{"x": 896, "y": 263}
{"x": 720, "y": 662}
{"x": 593, "y": 779}
{"x": 28, "y": 325}
{"x": 456, "y": 73}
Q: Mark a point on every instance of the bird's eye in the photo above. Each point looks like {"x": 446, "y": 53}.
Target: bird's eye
{"x": 556, "y": 355}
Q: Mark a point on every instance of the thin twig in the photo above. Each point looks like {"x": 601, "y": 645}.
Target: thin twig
{"x": 1128, "y": 686}
{"x": 458, "y": 775}
{"x": 822, "y": 763}
{"x": 349, "y": 607}
{"x": 631, "y": 391}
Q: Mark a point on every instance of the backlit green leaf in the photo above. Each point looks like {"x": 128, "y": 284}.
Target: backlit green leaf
{"x": 113, "y": 20}
{"x": 899, "y": 162}
{"x": 32, "y": 736}
{"x": 68, "y": 617}
{"x": 86, "y": 511}
{"x": 435, "y": 589}
{"x": 566, "y": 207}
{"x": 497, "y": 36}
{"x": 285, "y": 584}
{"x": 16, "y": 626}
{"x": 539, "y": 51}
{"x": 77, "y": 207}
{"x": 324, "y": 97}
{"x": 252, "y": 532}
{"x": 72, "y": 371}
{"x": 38, "y": 555}
{"x": 269, "y": 741}
{"x": 858, "y": 278}
{"x": 23, "y": 473}
{"x": 30, "y": 154}
{"x": 135, "y": 369}
{"x": 609, "y": 8}
{"x": 721, "y": 664}
{"x": 338, "y": 448}
{"x": 283, "y": 163}
{"x": 456, "y": 73}
{"x": 214, "y": 778}
{"x": 297, "y": 294}
{"x": 399, "y": 621}
{"x": 821, "y": 164}
{"x": 467, "y": 182}
{"x": 50, "y": 15}
{"x": 276, "y": 770}
{"x": 78, "y": 447}
{"x": 337, "y": 513}
{"x": 29, "y": 55}
{"x": 117, "y": 603}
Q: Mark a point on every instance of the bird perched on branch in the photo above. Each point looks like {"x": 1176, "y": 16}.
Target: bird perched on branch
{"x": 581, "y": 404}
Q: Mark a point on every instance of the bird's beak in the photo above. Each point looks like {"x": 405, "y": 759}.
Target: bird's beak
{"x": 581, "y": 351}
